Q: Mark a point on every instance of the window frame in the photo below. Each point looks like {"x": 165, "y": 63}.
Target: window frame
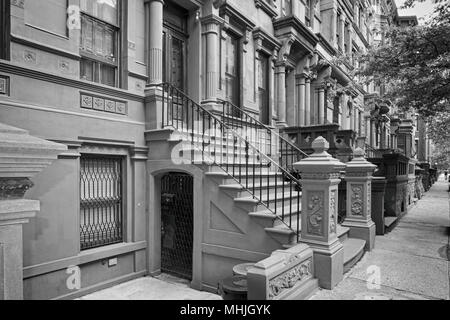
{"x": 118, "y": 39}
{"x": 121, "y": 159}
{"x": 5, "y": 33}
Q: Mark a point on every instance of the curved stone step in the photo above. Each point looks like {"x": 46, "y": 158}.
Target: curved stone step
{"x": 353, "y": 252}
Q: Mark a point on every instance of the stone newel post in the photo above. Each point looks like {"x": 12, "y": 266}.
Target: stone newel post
{"x": 320, "y": 179}
{"x": 359, "y": 199}
{"x": 21, "y": 157}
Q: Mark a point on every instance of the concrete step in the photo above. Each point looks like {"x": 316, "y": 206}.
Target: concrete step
{"x": 221, "y": 177}
{"x": 268, "y": 219}
{"x": 260, "y": 189}
{"x": 342, "y": 233}
{"x": 353, "y": 252}
{"x": 283, "y": 233}
{"x": 274, "y": 201}
{"x": 390, "y": 223}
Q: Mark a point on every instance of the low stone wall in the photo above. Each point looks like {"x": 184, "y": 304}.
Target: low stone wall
{"x": 285, "y": 275}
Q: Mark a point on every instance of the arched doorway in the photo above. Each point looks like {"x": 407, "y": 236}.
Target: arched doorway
{"x": 177, "y": 224}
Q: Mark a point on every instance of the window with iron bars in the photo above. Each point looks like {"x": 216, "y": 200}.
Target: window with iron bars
{"x": 101, "y": 201}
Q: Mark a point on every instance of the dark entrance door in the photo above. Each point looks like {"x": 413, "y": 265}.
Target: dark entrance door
{"x": 263, "y": 89}
{"x": 177, "y": 224}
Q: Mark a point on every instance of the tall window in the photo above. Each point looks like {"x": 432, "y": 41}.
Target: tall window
{"x": 99, "y": 47}
{"x": 101, "y": 201}
{"x": 308, "y": 12}
{"x": 5, "y": 29}
{"x": 232, "y": 68}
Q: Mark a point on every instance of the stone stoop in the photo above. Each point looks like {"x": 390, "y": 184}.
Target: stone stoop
{"x": 263, "y": 182}
{"x": 353, "y": 248}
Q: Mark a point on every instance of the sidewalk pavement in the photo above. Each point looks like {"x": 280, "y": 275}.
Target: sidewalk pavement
{"x": 163, "y": 287}
{"x": 412, "y": 259}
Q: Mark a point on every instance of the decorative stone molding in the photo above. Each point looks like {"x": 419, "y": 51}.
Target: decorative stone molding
{"x": 4, "y": 85}
{"x": 18, "y": 3}
{"x": 11, "y": 188}
{"x": 266, "y": 7}
{"x": 285, "y": 275}
{"x": 289, "y": 279}
{"x": 89, "y": 101}
{"x": 357, "y": 199}
{"x": 315, "y": 212}
{"x": 22, "y": 155}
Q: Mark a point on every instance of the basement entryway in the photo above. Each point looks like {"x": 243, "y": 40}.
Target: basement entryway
{"x": 177, "y": 224}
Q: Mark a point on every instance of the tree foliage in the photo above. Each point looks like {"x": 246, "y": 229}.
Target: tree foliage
{"x": 414, "y": 65}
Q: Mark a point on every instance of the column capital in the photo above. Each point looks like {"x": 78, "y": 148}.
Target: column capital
{"x": 149, "y": 1}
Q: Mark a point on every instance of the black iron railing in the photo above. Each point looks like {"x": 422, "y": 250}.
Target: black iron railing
{"x": 210, "y": 139}
{"x": 275, "y": 144}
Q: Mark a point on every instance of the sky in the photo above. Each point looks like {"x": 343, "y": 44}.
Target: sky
{"x": 420, "y": 9}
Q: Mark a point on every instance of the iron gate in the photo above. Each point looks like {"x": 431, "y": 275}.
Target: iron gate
{"x": 177, "y": 223}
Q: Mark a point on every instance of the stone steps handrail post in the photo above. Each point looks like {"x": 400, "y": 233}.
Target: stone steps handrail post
{"x": 21, "y": 157}
{"x": 320, "y": 179}
{"x": 358, "y": 175}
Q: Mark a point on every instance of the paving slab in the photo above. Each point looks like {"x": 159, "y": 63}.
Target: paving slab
{"x": 148, "y": 288}
{"x": 406, "y": 272}
{"x": 355, "y": 289}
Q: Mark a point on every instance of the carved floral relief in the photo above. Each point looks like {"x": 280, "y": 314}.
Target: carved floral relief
{"x": 357, "y": 199}
{"x": 315, "y": 213}
{"x": 290, "y": 278}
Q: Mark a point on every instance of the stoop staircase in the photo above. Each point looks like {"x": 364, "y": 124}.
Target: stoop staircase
{"x": 249, "y": 161}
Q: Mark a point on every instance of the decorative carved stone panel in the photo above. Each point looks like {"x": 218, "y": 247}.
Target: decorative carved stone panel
{"x": 290, "y": 278}
{"x": 357, "y": 194}
{"x": 333, "y": 212}
{"x": 89, "y": 101}
{"x": 315, "y": 213}
{"x": 4, "y": 85}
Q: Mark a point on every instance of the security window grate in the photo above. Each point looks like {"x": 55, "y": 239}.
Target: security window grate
{"x": 101, "y": 201}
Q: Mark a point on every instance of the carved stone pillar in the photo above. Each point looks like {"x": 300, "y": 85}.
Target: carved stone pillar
{"x": 300, "y": 83}
{"x": 358, "y": 175}
{"x": 320, "y": 179}
{"x": 155, "y": 32}
{"x": 321, "y": 105}
{"x": 21, "y": 157}
{"x": 307, "y": 101}
{"x": 210, "y": 31}
{"x": 281, "y": 92}
{"x": 342, "y": 35}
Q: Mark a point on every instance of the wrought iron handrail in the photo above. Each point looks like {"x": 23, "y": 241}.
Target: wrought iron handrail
{"x": 227, "y": 149}
{"x": 288, "y": 153}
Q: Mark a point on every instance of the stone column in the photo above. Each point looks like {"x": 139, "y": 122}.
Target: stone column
{"x": 155, "y": 33}
{"x": 280, "y": 69}
{"x": 321, "y": 105}
{"x": 333, "y": 39}
{"x": 320, "y": 179}
{"x": 21, "y": 157}
{"x": 358, "y": 175}
{"x": 307, "y": 101}
{"x": 342, "y": 27}
{"x": 300, "y": 84}
{"x": 349, "y": 44}
{"x": 210, "y": 31}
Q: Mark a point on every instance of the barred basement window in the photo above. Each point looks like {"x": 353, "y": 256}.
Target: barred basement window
{"x": 101, "y": 206}
{"x": 99, "y": 41}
